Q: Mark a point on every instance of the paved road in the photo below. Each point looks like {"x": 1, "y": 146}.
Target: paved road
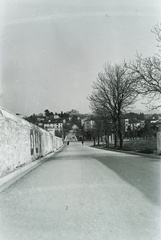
{"x": 85, "y": 193}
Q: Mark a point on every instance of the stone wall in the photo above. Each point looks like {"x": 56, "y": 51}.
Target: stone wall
{"x": 22, "y": 142}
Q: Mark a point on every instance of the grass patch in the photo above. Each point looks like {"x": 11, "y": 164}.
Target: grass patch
{"x": 148, "y": 145}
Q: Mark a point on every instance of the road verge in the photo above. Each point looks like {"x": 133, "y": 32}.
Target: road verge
{"x": 129, "y": 152}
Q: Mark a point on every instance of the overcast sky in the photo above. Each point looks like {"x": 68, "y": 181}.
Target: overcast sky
{"x": 52, "y": 50}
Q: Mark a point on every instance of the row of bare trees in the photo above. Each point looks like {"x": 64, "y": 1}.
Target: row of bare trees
{"x": 118, "y": 87}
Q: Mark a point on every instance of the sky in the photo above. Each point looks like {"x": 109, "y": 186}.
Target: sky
{"x": 51, "y": 51}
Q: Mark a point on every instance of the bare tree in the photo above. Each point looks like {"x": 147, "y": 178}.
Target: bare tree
{"x": 157, "y": 31}
{"x": 113, "y": 92}
{"x": 147, "y": 72}
{"x": 104, "y": 123}
{"x": 98, "y": 129}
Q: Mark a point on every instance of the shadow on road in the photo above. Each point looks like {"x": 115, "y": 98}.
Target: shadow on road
{"x": 142, "y": 173}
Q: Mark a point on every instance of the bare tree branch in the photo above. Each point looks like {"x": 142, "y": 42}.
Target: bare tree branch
{"x": 147, "y": 73}
{"x": 157, "y": 31}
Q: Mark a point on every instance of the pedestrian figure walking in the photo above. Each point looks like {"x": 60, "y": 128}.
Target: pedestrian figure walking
{"x": 82, "y": 142}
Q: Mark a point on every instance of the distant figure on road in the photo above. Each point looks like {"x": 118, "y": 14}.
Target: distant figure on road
{"x": 82, "y": 142}
{"x": 68, "y": 143}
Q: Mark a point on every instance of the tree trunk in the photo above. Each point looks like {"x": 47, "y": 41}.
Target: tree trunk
{"x": 98, "y": 143}
{"x": 120, "y": 130}
{"x": 121, "y": 139}
{"x": 106, "y": 140}
{"x": 115, "y": 140}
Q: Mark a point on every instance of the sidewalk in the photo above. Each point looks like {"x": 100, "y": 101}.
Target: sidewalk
{"x": 10, "y": 178}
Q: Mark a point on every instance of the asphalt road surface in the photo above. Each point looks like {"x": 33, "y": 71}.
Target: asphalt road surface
{"x": 85, "y": 193}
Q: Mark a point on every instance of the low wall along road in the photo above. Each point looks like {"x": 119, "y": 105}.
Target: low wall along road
{"x": 22, "y": 142}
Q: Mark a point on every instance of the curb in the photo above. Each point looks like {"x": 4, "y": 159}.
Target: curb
{"x": 13, "y": 177}
{"x": 130, "y": 152}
